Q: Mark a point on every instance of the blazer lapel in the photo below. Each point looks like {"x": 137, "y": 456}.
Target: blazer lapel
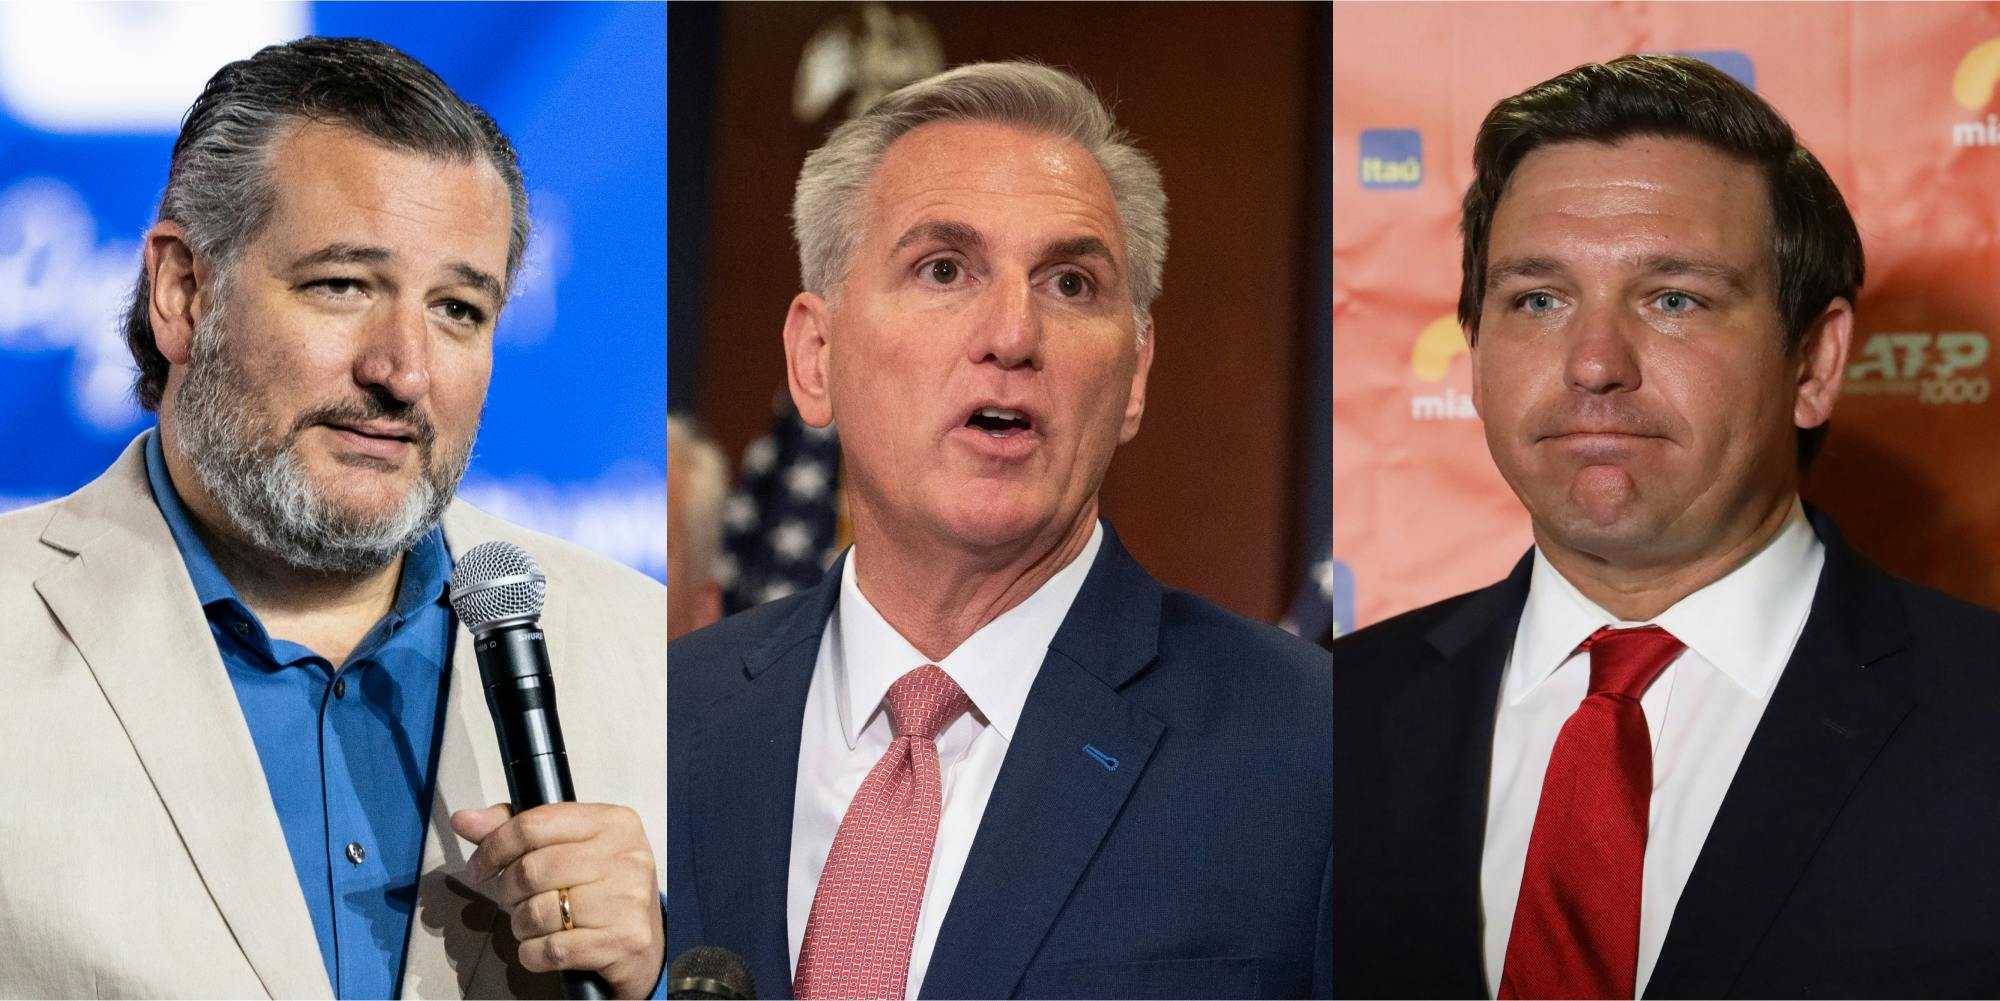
{"x": 1841, "y": 695}
{"x": 1443, "y": 725}
{"x": 1054, "y": 802}
{"x": 744, "y": 771}
{"x": 126, "y": 602}
{"x": 452, "y": 932}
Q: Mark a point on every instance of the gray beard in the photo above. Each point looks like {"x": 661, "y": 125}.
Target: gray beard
{"x": 264, "y": 487}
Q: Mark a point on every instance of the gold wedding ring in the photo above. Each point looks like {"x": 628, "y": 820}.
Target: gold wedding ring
{"x": 562, "y": 899}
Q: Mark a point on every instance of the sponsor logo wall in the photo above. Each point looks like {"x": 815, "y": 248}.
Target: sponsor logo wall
{"x": 91, "y": 96}
{"x": 1899, "y": 101}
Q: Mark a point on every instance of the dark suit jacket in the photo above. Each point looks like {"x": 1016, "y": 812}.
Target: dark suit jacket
{"x": 1197, "y": 867}
{"x": 1856, "y": 853}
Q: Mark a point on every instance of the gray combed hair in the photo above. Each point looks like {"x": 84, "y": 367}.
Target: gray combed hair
{"x": 219, "y": 183}
{"x": 829, "y": 205}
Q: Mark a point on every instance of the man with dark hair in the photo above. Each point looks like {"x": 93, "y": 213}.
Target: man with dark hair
{"x": 1695, "y": 744}
{"x": 245, "y": 733}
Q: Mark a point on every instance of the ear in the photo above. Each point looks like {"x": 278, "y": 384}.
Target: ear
{"x": 177, "y": 277}
{"x": 1823, "y": 364}
{"x": 807, "y": 343}
{"x": 1135, "y": 401}
{"x": 1472, "y": 357}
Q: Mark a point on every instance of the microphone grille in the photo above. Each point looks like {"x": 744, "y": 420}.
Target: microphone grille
{"x": 497, "y": 583}
{"x": 710, "y": 972}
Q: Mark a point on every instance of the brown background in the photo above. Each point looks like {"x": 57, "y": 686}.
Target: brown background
{"x": 1232, "y": 100}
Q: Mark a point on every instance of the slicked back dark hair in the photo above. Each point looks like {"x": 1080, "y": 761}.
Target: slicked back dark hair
{"x": 219, "y": 183}
{"x": 1814, "y": 243}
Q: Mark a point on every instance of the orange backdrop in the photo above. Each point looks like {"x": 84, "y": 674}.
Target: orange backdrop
{"x": 1898, "y": 100}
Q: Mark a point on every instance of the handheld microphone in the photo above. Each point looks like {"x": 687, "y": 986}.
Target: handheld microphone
{"x": 497, "y": 591}
{"x": 710, "y": 973}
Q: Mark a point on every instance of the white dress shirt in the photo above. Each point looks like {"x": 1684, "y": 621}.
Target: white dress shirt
{"x": 1702, "y": 710}
{"x": 847, "y": 731}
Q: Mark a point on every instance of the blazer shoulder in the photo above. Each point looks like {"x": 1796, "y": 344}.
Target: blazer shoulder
{"x": 1951, "y": 628}
{"x": 566, "y": 564}
{"x": 1392, "y": 638}
{"x": 707, "y": 664}
{"x": 1192, "y": 623}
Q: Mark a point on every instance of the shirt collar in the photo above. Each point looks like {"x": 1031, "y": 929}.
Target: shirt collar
{"x": 426, "y": 570}
{"x": 995, "y": 666}
{"x": 1745, "y": 624}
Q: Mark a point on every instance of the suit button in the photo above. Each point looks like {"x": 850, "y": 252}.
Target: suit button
{"x": 355, "y": 853}
{"x": 340, "y": 688}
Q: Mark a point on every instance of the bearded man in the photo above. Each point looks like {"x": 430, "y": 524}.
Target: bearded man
{"x": 245, "y": 752}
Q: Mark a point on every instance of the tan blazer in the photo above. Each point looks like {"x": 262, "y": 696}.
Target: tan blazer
{"x": 140, "y": 855}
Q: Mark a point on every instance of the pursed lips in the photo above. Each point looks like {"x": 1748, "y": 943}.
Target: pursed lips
{"x": 377, "y": 429}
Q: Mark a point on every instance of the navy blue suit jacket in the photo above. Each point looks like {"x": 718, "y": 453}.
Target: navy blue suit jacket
{"x": 1198, "y": 867}
{"x": 1856, "y": 853}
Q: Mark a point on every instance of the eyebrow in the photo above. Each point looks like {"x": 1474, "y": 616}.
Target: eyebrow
{"x": 1668, "y": 264}
{"x": 1080, "y": 246}
{"x": 344, "y": 253}
{"x": 1520, "y": 267}
{"x": 956, "y": 234}
{"x": 1658, "y": 264}
{"x": 354, "y": 253}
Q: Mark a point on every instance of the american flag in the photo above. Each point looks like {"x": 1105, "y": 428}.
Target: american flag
{"x": 781, "y": 523}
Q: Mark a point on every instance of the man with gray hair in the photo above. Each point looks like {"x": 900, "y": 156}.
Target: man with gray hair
{"x": 236, "y": 644}
{"x": 697, "y": 483}
{"x": 989, "y": 755}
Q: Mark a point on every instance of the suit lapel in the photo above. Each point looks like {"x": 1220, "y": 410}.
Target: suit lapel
{"x": 1841, "y": 695}
{"x": 126, "y": 602}
{"x": 744, "y": 772}
{"x": 1053, "y": 802}
{"x": 1443, "y": 724}
{"x": 455, "y": 921}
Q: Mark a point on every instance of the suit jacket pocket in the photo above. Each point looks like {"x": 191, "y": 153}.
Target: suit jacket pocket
{"x": 1217, "y": 977}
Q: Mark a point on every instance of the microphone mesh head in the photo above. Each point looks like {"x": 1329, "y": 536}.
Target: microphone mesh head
{"x": 495, "y": 583}
{"x": 708, "y": 971}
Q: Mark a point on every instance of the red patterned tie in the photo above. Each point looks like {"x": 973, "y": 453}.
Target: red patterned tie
{"x": 864, "y": 916}
{"x": 1576, "y": 928}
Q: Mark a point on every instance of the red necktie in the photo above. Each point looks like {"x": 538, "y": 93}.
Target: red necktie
{"x": 1576, "y": 928}
{"x": 864, "y": 914}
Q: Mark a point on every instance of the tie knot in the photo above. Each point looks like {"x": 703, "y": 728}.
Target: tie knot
{"x": 1626, "y": 661}
{"x": 923, "y": 701}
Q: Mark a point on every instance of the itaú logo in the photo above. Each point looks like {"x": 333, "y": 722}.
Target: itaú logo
{"x": 1972, "y": 87}
{"x": 1440, "y": 344}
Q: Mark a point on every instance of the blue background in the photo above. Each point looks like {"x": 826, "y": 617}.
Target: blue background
{"x": 573, "y": 441}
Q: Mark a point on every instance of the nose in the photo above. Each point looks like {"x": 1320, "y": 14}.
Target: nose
{"x": 1601, "y": 355}
{"x": 1009, "y": 331}
{"x": 396, "y": 354}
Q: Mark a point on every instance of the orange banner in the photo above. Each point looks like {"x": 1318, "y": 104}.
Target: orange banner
{"x": 1898, "y": 100}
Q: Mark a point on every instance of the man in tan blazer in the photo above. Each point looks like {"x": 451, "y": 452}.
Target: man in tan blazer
{"x": 314, "y": 327}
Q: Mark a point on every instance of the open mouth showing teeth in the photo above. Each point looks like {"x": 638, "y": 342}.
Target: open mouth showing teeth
{"x": 999, "y": 422}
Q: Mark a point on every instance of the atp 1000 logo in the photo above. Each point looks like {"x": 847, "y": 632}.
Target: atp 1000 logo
{"x": 1944, "y": 368}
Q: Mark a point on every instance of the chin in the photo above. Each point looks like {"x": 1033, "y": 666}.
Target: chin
{"x": 989, "y": 521}
{"x": 373, "y": 504}
{"x": 1608, "y": 535}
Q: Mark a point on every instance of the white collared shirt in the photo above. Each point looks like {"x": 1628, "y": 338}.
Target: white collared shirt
{"x": 847, "y": 731}
{"x": 1702, "y": 711}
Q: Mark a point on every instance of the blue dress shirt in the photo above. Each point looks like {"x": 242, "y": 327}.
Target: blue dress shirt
{"x": 348, "y": 754}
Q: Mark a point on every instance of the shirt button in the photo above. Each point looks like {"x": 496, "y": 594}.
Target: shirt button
{"x": 243, "y": 629}
{"x": 340, "y": 692}
{"x": 355, "y": 853}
